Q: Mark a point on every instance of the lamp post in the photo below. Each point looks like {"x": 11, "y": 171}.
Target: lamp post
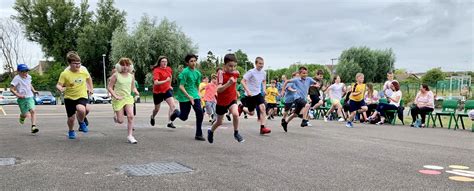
{"x": 103, "y": 65}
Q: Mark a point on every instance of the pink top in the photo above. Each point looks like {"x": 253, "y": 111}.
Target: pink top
{"x": 428, "y": 99}
{"x": 371, "y": 100}
{"x": 211, "y": 92}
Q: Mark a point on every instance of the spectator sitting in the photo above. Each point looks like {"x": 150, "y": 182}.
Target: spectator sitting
{"x": 424, "y": 103}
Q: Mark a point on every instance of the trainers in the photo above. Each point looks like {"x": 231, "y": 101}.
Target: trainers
{"x": 349, "y": 124}
{"x": 83, "y": 127}
{"x": 22, "y": 120}
{"x": 341, "y": 119}
{"x": 132, "y": 140}
{"x": 284, "y": 124}
{"x": 170, "y": 125}
{"x": 72, "y": 134}
{"x": 210, "y": 136}
{"x": 199, "y": 138}
{"x": 265, "y": 130}
{"x": 34, "y": 129}
{"x": 245, "y": 116}
{"x": 174, "y": 115}
{"x": 228, "y": 117}
{"x": 238, "y": 137}
{"x": 379, "y": 123}
{"x": 325, "y": 119}
{"x": 269, "y": 118}
{"x": 152, "y": 121}
{"x": 309, "y": 124}
{"x": 304, "y": 123}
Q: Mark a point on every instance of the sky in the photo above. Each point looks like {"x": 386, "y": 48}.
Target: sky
{"x": 423, "y": 34}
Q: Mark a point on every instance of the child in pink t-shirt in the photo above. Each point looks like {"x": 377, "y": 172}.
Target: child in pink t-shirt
{"x": 210, "y": 98}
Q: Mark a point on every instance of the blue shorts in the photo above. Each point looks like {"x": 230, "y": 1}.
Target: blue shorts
{"x": 355, "y": 105}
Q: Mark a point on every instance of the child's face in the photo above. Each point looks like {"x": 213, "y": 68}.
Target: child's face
{"x": 390, "y": 76}
{"x": 303, "y": 73}
{"x": 259, "y": 64}
{"x": 75, "y": 66}
{"x": 164, "y": 63}
{"x": 319, "y": 76}
{"x": 192, "y": 63}
{"x": 230, "y": 66}
{"x": 125, "y": 68}
{"x": 23, "y": 74}
{"x": 360, "y": 79}
{"x": 205, "y": 80}
{"x": 273, "y": 84}
{"x": 214, "y": 80}
{"x": 338, "y": 79}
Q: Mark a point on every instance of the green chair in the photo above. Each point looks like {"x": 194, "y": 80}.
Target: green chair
{"x": 322, "y": 110}
{"x": 448, "y": 109}
{"x": 392, "y": 114}
{"x": 430, "y": 116}
{"x": 468, "y": 105}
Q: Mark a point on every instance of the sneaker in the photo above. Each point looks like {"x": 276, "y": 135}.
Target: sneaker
{"x": 272, "y": 117}
{"x": 132, "y": 140}
{"x": 379, "y": 123}
{"x": 34, "y": 129}
{"x": 311, "y": 114}
{"x": 72, "y": 134}
{"x": 83, "y": 127}
{"x": 309, "y": 124}
{"x": 22, "y": 120}
{"x": 152, "y": 121}
{"x": 210, "y": 136}
{"x": 284, "y": 124}
{"x": 238, "y": 137}
{"x": 199, "y": 138}
{"x": 412, "y": 124}
{"x": 245, "y": 116}
{"x": 349, "y": 124}
{"x": 341, "y": 119}
{"x": 269, "y": 118}
{"x": 174, "y": 115}
{"x": 265, "y": 130}
{"x": 304, "y": 123}
{"x": 170, "y": 125}
{"x": 228, "y": 117}
{"x": 325, "y": 119}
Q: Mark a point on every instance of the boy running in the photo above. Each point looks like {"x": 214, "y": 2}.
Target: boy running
{"x": 21, "y": 87}
{"x": 253, "y": 82}
{"x": 210, "y": 98}
{"x": 302, "y": 84}
{"x": 227, "y": 97}
{"x": 271, "y": 98}
{"x": 290, "y": 96}
{"x": 76, "y": 84}
{"x": 188, "y": 95}
{"x": 162, "y": 90}
{"x": 356, "y": 99}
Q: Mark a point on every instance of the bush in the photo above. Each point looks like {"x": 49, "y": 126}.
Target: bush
{"x": 47, "y": 81}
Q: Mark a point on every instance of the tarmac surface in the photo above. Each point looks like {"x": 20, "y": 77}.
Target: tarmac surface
{"x": 327, "y": 156}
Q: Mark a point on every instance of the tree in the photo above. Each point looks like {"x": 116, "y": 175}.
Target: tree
{"x": 55, "y": 25}
{"x": 375, "y": 63}
{"x": 150, "y": 40}
{"x": 96, "y": 37}
{"x": 10, "y": 45}
{"x": 433, "y": 76}
{"x": 243, "y": 60}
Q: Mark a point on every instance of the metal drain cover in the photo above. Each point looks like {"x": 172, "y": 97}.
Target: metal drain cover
{"x": 7, "y": 161}
{"x": 154, "y": 169}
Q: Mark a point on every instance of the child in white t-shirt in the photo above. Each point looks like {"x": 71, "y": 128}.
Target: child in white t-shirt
{"x": 22, "y": 88}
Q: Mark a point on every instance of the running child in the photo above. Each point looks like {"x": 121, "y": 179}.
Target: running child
{"x": 210, "y": 97}
{"x": 21, "y": 87}
{"x": 188, "y": 95}
{"x": 290, "y": 96}
{"x": 76, "y": 84}
{"x": 356, "y": 99}
{"x": 336, "y": 90}
{"x": 227, "y": 97}
{"x": 162, "y": 90}
{"x": 253, "y": 82}
{"x": 121, "y": 85}
{"x": 271, "y": 94}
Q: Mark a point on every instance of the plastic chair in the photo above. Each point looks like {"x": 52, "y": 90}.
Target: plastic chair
{"x": 448, "y": 109}
{"x": 468, "y": 105}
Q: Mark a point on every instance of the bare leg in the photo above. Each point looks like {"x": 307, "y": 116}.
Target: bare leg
{"x": 129, "y": 109}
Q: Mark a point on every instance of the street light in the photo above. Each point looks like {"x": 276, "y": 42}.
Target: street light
{"x": 103, "y": 65}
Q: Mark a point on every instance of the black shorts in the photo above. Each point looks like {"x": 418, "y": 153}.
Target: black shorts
{"x": 355, "y": 105}
{"x": 71, "y": 105}
{"x": 158, "y": 98}
{"x": 299, "y": 105}
{"x": 314, "y": 100}
{"x": 221, "y": 110}
{"x": 288, "y": 106}
{"x": 253, "y": 101}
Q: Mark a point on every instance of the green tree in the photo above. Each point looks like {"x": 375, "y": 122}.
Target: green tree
{"x": 96, "y": 37}
{"x": 55, "y": 25}
{"x": 148, "y": 41}
{"x": 375, "y": 63}
{"x": 243, "y": 60}
{"x": 433, "y": 76}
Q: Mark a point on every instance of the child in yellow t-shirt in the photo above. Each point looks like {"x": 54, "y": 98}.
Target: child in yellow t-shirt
{"x": 356, "y": 99}
{"x": 270, "y": 97}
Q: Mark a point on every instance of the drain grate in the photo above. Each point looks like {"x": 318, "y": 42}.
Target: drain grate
{"x": 7, "y": 161}
{"x": 154, "y": 169}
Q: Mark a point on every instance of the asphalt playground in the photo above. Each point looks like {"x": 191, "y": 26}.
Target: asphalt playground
{"x": 326, "y": 156}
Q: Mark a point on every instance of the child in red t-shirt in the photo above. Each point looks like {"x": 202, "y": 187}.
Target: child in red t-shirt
{"x": 162, "y": 90}
{"x": 227, "y": 97}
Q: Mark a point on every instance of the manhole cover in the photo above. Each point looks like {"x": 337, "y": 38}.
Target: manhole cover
{"x": 7, "y": 161}
{"x": 154, "y": 169}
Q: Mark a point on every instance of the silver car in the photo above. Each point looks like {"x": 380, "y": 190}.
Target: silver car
{"x": 100, "y": 95}
{"x": 7, "y": 97}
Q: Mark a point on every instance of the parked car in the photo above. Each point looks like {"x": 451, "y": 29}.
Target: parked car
{"x": 7, "y": 97}
{"x": 100, "y": 95}
{"x": 45, "y": 97}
